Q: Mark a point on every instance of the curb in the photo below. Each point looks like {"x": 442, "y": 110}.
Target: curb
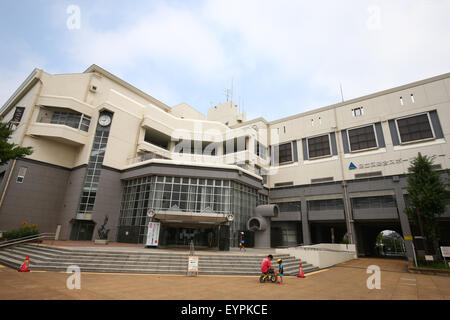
{"x": 429, "y": 271}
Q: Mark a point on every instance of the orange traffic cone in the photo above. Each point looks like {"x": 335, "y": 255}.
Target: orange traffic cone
{"x": 300, "y": 272}
{"x": 26, "y": 266}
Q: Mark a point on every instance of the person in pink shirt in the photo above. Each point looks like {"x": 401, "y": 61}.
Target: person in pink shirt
{"x": 266, "y": 266}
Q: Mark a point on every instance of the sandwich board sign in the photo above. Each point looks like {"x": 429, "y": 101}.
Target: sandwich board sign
{"x": 192, "y": 265}
{"x": 153, "y": 234}
{"x": 445, "y": 252}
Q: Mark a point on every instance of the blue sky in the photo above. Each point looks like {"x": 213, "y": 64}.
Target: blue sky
{"x": 284, "y": 57}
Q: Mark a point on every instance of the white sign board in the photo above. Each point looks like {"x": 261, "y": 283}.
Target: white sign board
{"x": 153, "y": 233}
{"x": 429, "y": 258}
{"x": 192, "y": 264}
{"x": 445, "y": 251}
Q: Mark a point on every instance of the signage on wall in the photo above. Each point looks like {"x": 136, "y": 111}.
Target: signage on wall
{"x": 153, "y": 234}
{"x": 18, "y": 113}
{"x": 385, "y": 163}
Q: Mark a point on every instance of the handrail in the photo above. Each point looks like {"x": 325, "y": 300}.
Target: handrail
{"x": 27, "y": 239}
{"x": 32, "y": 236}
{"x": 324, "y": 249}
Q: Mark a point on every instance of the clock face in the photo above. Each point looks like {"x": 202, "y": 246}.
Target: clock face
{"x": 104, "y": 120}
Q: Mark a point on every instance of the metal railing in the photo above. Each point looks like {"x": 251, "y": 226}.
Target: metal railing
{"x": 27, "y": 239}
{"x": 191, "y": 248}
{"x": 324, "y": 249}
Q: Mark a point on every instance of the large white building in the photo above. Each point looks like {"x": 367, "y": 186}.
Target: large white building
{"x": 104, "y": 148}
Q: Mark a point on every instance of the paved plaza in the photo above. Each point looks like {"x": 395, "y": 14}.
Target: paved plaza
{"x": 343, "y": 281}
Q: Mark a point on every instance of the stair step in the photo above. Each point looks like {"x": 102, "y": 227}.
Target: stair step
{"x": 58, "y": 259}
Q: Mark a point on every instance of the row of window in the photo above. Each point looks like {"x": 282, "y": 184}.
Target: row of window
{"x": 210, "y": 148}
{"x": 338, "y": 204}
{"x": 403, "y": 130}
{"x": 72, "y": 119}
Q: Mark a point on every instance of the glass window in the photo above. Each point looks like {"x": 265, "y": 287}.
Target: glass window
{"x": 285, "y": 152}
{"x": 415, "y": 128}
{"x": 362, "y": 138}
{"x": 261, "y": 150}
{"x": 71, "y": 119}
{"x": 319, "y": 146}
{"x": 92, "y": 177}
{"x": 328, "y": 204}
{"x": 358, "y": 112}
{"x": 215, "y": 196}
{"x": 289, "y": 206}
{"x": 374, "y": 202}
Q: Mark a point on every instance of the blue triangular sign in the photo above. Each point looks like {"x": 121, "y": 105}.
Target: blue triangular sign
{"x": 351, "y": 166}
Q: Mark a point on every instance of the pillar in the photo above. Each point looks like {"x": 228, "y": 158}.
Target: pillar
{"x": 305, "y": 223}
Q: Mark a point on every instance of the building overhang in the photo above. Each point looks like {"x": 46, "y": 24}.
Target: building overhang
{"x": 60, "y": 133}
{"x": 191, "y": 217}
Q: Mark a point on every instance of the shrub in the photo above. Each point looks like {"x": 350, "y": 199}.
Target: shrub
{"x": 345, "y": 240}
{"x": 25, "y": 231}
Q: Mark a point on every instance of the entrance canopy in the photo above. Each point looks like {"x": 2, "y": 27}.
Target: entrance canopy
{"x": 192, "y": 217}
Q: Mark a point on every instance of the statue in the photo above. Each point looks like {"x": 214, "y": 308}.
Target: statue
{"x": 102, "y": 231}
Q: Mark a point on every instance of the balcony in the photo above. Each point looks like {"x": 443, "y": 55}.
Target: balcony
{"x": 62, "y": 125}
{"x": 149, "y": 148}
{"x": 59, "y": 133}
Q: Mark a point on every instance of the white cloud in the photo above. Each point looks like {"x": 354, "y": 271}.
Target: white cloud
{"x": 366, "y": 46}
{"x": 166, "y": 35}
{"x": 15, "y": 72}
{"x": 303, "y": 50}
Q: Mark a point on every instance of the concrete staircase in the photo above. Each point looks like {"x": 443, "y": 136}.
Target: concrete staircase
{"x": 58, "y": 259}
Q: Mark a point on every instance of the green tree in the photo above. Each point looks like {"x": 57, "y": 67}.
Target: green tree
{"x": 427, "y": 196}
{"x": 10, "y": 151}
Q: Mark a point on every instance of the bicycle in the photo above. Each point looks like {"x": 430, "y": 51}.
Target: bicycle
{"x": 267, "y": 277}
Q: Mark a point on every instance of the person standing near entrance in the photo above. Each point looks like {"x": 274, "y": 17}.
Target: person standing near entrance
{"x": 241, "y": 242}
{"x": 210, "y": 239}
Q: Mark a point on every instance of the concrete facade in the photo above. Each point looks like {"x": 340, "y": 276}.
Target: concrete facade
{"x": 323, "y": 165}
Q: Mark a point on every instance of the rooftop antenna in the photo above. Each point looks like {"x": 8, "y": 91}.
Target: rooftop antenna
{"x": 342, "y": 94}
{"x": 231, "y": 88}
{"x": 227, "y": 93}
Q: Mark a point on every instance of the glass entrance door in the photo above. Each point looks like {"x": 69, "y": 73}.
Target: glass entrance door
{"x": 82, "y": 230}
{"x": 172, "y": 236}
